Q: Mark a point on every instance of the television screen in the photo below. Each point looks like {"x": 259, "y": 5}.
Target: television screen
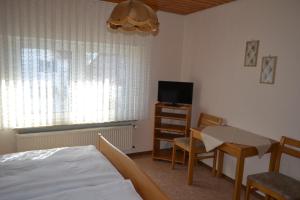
{"x": 175, "y": 92}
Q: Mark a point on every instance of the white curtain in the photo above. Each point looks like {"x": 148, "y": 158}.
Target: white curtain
{"x": 61, "y": 65}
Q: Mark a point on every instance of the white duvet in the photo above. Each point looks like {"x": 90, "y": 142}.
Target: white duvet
{"x": 62, "y": 173}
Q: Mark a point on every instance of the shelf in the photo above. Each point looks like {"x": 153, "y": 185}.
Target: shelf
{"x": 167, "y": 136}
{"x": 166, "y": 154}
{"x": 171, "y": 116}
{"x": 171, "y": 121}
{"x": 177, "y": 107}
{"x": 171, "y": 128}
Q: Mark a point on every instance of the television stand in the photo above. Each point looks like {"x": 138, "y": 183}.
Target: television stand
{"x": 172, "y": 104}
{"x": 171, "y": 121}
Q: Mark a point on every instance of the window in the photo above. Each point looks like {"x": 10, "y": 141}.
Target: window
{"x": 84, "y": 83}
{"x": 59, "y": 64}
{"x": 52, "y": 73}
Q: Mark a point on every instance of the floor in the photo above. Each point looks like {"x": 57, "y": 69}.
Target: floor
{"x": 173, "y": 182}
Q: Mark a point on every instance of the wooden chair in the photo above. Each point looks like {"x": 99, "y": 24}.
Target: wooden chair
{"x": 183, "y": 143}
{"x": 275, "y": 184}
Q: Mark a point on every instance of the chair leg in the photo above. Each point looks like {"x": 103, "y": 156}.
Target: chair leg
{"x": 214, "y": 171}
{"x": 173, "y": 155}
{"x": 191, "y": 168}
{"x": 248, "y": 190}
{"x": 184, "y": 157}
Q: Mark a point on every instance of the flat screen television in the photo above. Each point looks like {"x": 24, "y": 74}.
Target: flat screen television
{"x": 175, "y": 92}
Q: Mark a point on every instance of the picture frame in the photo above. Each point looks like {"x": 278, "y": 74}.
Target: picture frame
{"x": 268, "y": 69}
{"x": 251, "y": 53}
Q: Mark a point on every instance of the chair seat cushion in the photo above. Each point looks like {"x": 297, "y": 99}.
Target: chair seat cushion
{"x": 284, "y": 185}
{"x": 184, "y": 143}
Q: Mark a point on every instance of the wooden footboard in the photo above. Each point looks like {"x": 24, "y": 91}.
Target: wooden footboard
{"x": 142, "y": 183}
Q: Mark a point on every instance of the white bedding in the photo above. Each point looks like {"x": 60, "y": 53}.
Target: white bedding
{"x": 62, "y": 173}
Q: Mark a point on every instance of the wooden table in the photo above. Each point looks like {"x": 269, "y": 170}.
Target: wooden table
{"x": 237, "y": 150}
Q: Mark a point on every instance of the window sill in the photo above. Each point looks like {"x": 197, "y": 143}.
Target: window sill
{"x": 72, "y": 127}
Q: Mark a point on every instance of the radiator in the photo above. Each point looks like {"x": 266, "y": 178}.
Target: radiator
{"x": 119, "y": 136}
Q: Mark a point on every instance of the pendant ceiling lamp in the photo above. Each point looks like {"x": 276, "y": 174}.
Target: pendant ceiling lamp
{"x": 133, "y": 15}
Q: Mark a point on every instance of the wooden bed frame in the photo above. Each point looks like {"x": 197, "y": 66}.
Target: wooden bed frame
{"x": 143, "y": 184}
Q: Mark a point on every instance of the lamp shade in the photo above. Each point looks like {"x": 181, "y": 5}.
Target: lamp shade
{"x": 133, "y": 15}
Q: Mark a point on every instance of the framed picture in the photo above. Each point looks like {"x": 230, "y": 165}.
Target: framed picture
{"x": 251, "y": 53}
{"x": 268, "y": 68}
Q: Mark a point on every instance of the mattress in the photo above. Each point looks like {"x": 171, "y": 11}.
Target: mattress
{"x": 62, "y": 173}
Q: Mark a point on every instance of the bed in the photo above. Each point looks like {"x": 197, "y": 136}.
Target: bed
{"x": 74, "y": 173}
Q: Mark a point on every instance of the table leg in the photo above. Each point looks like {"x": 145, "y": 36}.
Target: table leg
{"x": 220, "y": 163}
{"x": 238, "y": 177}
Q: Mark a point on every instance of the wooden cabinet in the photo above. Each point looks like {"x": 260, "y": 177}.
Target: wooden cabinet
{"x": 171, "y": 121}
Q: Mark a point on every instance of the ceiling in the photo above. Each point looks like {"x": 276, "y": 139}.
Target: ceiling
{"x": 183, "y": 7}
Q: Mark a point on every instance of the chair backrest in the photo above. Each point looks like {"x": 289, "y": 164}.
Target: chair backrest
{"x": 209, "y": 120}
{"x": 288, "y": 146}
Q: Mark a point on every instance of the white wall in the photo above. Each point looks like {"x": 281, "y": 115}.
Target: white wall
{"x": 165, "y": 65}
{"x": 213, "y": 57}
{"x": 7, "y": 141}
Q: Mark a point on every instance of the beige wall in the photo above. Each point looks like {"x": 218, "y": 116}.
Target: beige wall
{"x": 213, "y": 56}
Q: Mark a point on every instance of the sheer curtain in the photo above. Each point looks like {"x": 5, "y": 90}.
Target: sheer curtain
{"x": 59, "y": 64}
